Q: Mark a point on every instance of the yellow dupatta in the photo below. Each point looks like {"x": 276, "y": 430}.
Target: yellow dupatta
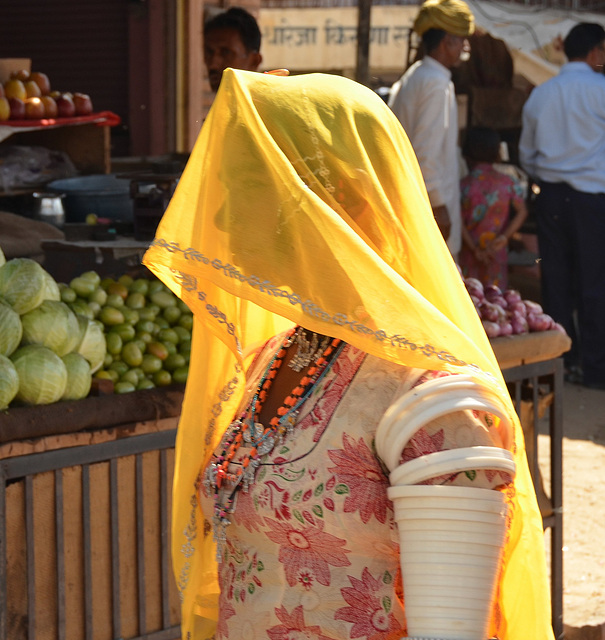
{"x": 302, "y": 203}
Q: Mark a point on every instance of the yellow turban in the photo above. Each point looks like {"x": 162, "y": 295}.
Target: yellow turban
{"x": 453, "y": 16}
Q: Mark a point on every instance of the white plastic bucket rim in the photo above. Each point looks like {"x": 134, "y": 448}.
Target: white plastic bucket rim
{"x": 453, "y": 461}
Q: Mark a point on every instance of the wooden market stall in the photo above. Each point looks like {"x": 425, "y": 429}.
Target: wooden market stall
{"x": 85, "y": 503}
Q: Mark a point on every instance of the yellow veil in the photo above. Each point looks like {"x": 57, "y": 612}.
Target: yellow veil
{"x": 302, "y": 203}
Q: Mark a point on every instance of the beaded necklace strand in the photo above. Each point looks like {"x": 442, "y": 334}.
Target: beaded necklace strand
{"x": 261, "y": 439}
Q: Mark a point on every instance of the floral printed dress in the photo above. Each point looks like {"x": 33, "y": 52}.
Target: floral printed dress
{"x": 486, "y": 198}
{"x": 312, "y": 550}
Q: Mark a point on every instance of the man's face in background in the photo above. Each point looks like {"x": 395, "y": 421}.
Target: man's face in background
{"x": 224, "y": 48}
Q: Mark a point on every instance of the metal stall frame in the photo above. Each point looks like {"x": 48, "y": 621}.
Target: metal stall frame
{"x": 25, "y": 467}
{"x": 531, "y": 382}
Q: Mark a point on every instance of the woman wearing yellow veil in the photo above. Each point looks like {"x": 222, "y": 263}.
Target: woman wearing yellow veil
{"x": 302, "y": 238}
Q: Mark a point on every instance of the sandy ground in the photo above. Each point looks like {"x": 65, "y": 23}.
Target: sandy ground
{"x": 583, "y": 511}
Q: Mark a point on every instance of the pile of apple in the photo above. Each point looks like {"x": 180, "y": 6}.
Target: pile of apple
{"x": 28, "y": 96}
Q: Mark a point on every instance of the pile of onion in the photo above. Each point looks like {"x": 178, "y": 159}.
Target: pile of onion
{"x": 505, "y": 313}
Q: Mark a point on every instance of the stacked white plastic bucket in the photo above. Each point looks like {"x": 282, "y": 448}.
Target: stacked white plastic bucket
{"x": 451, "y": 537}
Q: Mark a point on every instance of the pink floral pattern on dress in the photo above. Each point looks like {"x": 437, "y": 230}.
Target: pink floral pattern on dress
{"x": 358, "y": 468}
{"x": 307, "y": 549}
{"x": 370, "y": 609}
{"x": 293, "y": 627}
{"x": 272, "y": 496}
{"x": 337, "y": 383}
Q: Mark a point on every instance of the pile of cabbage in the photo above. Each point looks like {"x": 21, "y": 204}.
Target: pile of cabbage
{"x": 506, "y": 313}
{"x": 47, "y": 352}
{"x": 56, "y": 338}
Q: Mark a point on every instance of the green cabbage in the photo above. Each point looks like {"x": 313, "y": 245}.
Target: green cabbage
{"x": 42, "y": 375}
{"x": 54, "y": 325}
{"x": 91, "y": 343}
{"x": 9, "y": 382}
{"x": 22, "y": 284}
{"x": 51, "y": 288}
{"x": 11, "y": 329}
{"x": 79, "y": 377}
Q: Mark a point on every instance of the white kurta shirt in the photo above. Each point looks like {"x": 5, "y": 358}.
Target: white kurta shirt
{"x": 424, "y": 101}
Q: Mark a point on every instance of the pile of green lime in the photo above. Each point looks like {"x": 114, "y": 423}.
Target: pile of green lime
{"x": 147, "y": 329}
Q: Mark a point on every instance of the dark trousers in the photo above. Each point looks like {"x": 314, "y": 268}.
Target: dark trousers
{"x": 571, "y": 241}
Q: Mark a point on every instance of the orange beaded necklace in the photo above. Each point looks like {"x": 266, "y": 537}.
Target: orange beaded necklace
{"x": 262, "y": 439}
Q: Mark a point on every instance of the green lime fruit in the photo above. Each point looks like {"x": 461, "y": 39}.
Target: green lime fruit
{"x": 131, "y": 316}
{"x": 162, "y": 323}
{"x": 183, "y": 334}
{"x": 151, "y": 363}
{"x": 132, "y": 354}
{"x": 180, "y": 375}
{"x": 140, "y": 285}
{"x": 136, "y": 300}
{"x": 107, "y": 360}
{"x": 168, "y": 335}
{"x": 155, "y": 286}
{"x": 148, "y": 313}
{"x": 185, "y": 348}
{"x": 183, "y": 307}
{"x": 163, "y": 299}
{"x": 119, "y": 367}
{"x": 162, "y": 378}
{"x": 124, "y": 387}
{"x": 124, "y": 330}
{"x": 130, "y": 376}
{"x": 147, "y": 326}
{"x": 171, "y": 347}
{"x": 115, "y": 300}
{"x": 110, "y": 316}
{"x": 114, "y": 343}
{"x": 92, "y": 276}
{"x": 82, "y": 286}
{"x": 126, "y": 280}
{"x": 105, "y": 282}
{"x": 174, "y": 361}
{"x": 67, "y": 293}
{"x": 157, "y": 349}
{"x": 107, "y": 375}
{"x": 186, "y": 322}
{"x": 145, "y": 383}
{"x": 99, "y": 295}
{"x": 144, "y": 336}
{"x": 172, "y": 314}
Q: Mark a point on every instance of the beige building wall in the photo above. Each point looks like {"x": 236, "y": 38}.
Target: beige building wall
{"x": 301, "y": 40}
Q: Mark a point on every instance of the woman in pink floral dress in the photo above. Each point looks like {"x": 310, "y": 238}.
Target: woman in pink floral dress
{"x": 488, "y": 197}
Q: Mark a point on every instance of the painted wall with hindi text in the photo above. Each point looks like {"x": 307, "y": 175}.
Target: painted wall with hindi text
{"x": 321, "y": 39}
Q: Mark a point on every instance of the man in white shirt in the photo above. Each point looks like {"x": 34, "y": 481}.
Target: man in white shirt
{"x": 562, "y": 147}
{"x": 424, "y": 101}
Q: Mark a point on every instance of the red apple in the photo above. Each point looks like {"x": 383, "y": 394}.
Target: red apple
{"x": 34, "y": 108}
{"x": 17, "y": 108}
{"x": 32, "y": 89}
{"x": 21, "y": 74}
{"x": 50, "y": 107}
{"x": 5, "y": 108}
{"x": 82, "y": 103}
{"x": 65, "y": 106}
{"x": 14, "y": 88}
{"x": 41, "y": 79}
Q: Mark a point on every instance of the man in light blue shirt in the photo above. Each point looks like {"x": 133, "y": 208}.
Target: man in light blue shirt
{"x": 562, "y": 147}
